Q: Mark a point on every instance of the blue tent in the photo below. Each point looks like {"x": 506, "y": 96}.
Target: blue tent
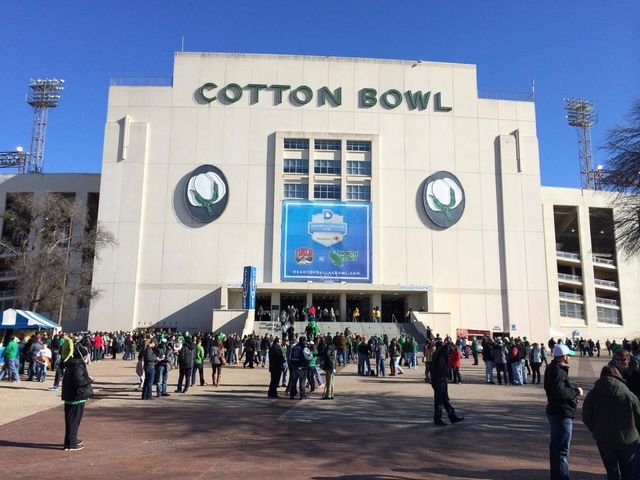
{"x": 25, "y": 320}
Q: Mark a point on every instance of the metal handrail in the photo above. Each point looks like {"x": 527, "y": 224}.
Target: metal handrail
{"x": 395, "y": 320}
{"x": 571, "y": 255}
{"x": 607, "y": 301}
{"x": 605, "y": 261}
{"x": 605, "y": 283}
{"x": 566, "y": 276}
{"x": 574, "y": 296}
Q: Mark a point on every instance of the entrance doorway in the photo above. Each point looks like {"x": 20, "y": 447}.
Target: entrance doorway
{"x": 296, "y": 301}
{"x": 393, "y": 305}
{"x": 324, "y": 304}
{"x": 263, "y": 308}
{"x": 362, "y": 303}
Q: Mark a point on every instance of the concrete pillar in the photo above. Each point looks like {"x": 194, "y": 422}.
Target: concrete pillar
{"x": 376, "y": 301}
{"x": 309, "y": 299}
{"x": 343, "y": 307}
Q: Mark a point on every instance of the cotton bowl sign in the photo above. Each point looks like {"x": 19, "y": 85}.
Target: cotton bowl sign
{"x": 206, "y": 193}
{"x": 443, "y": 198}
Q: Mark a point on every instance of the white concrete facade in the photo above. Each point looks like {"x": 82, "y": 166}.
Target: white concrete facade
{"x": 605, "y": 280}
{"x": 487, "y": 271}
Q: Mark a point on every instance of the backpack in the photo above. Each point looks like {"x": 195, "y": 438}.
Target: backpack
{"x": 514, "y": 354}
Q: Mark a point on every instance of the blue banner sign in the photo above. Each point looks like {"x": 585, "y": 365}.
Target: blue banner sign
{"x": 249, "y": 288}
{"x": 326, "y": 241}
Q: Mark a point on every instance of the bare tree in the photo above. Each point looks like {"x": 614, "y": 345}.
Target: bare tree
{"x": 622, "y": 176}
{"x": 49, "y": 253}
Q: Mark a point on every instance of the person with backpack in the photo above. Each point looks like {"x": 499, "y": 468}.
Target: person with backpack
{"x": 329, "y": 367}
{"x": 381, "y": 356}
{"x": 514, "y": 364}
{"x": 500, "y": 361}
{"x": 299, "y": 362}
{"x": 535, "y": 358}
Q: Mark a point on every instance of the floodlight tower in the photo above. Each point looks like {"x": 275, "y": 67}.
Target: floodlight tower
{"x": 44, "y": 94}
{"x": 581, "y": 114}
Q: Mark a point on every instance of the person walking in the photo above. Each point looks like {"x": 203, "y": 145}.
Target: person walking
{"x": 562, "y": 400}
{"x": 611, "y": 412}
{"x": 185, "y": 364}
{"x": 276, "y": 364}
{"x": 217, "y": 357}
{"x": 198, "y": 363}
{"x": 76, "y": 390}
{"x": 474, "y": 350}
{"x": 440, "y": 387}
{"x": 535, "y": 359}
{"x": 329, "y": 365}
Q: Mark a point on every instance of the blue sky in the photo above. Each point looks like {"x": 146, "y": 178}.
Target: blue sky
{"x": 588, "y": 49}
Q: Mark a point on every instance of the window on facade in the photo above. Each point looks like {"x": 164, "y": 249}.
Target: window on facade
{"x": 571, "y": 310}
{"x": 609, "y": 315}
{"x": 296, "y": 165}
{"x": 358, "y": 146}
{"x": 296, "y": 144}
{"x": 326, "y": 191}
{"x": 358, "y": 192}
{"x": 331, "y": 145}
{"x": 296, "y": 190}
{"x": 331, "y": 167}
{"x": 358, "y": 167}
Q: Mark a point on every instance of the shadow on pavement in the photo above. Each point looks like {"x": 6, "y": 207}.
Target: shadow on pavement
{"x": 41, "y": 446}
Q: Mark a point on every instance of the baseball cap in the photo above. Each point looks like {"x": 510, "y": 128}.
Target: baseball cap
{"x": 560, "y": 350}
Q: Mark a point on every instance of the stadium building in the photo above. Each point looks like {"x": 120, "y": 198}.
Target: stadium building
{"x": 347, "y": 184}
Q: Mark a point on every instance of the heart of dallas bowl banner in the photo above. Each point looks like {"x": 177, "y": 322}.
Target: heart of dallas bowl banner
{"x": 326, "y": 241}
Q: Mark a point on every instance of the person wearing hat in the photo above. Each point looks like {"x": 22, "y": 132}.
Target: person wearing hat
{"x": 562, "y": 400}
{"x": 76, "y": 390}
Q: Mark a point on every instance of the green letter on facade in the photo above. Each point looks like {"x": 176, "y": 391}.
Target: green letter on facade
{"x": 335, "y": 96}
{"x": 438, "y": 106}
{"x": 307, "y": 95}
{"x": 255, "y": 91}
{"x": 417, "y": 100}
{"x": 277, "y": 92}
{"x": 368, "y": 97}
{"x": 204, "y": 89}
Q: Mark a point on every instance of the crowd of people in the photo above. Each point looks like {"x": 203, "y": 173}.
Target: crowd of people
{"x": 296, "y": 361}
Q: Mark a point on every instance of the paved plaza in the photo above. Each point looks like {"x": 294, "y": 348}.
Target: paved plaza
{"x": 375, "y": 429}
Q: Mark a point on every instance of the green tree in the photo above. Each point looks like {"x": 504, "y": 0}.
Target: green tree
{"x": 622, "y": 176}
{"x": 49, "y": 253}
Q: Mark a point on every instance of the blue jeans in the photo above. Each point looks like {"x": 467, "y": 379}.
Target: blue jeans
{"x": 619, "y": 463}
{"x": 561, "y": 428}
{"x": 149, "y": 377}
{"x": 299, "y": 378}
{"x": 523, "y": 372}
{"x": 161, "y": 379}
{"x": 488, "y": 370}
{"x": 363, "y": 360}
{"x": 380, "y": 366}
{"x": 285, "y": 369}
{"x": 42, "y": 372}
{"x": 516, "y": 369}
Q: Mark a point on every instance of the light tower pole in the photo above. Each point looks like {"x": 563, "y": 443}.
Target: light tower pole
{"x": 44, "y": 94}
{"x": 581, "y": 114}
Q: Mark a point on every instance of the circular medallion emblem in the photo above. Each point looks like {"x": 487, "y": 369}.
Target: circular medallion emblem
{"x": 206, "y": 193}
{"x": 443, "y": 199}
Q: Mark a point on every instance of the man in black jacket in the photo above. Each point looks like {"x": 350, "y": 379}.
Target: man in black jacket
{"x": 185, "y": 364}
{"x": 149, "y": 360}
{"x": 439, "y": 384}
{"x": 562, "y": 400}
{"x": 76, "y": 390}
{"x": 276, "y": 361}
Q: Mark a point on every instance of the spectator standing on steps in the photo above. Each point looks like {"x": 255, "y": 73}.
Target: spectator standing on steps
{"x": 562, "y": 400}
